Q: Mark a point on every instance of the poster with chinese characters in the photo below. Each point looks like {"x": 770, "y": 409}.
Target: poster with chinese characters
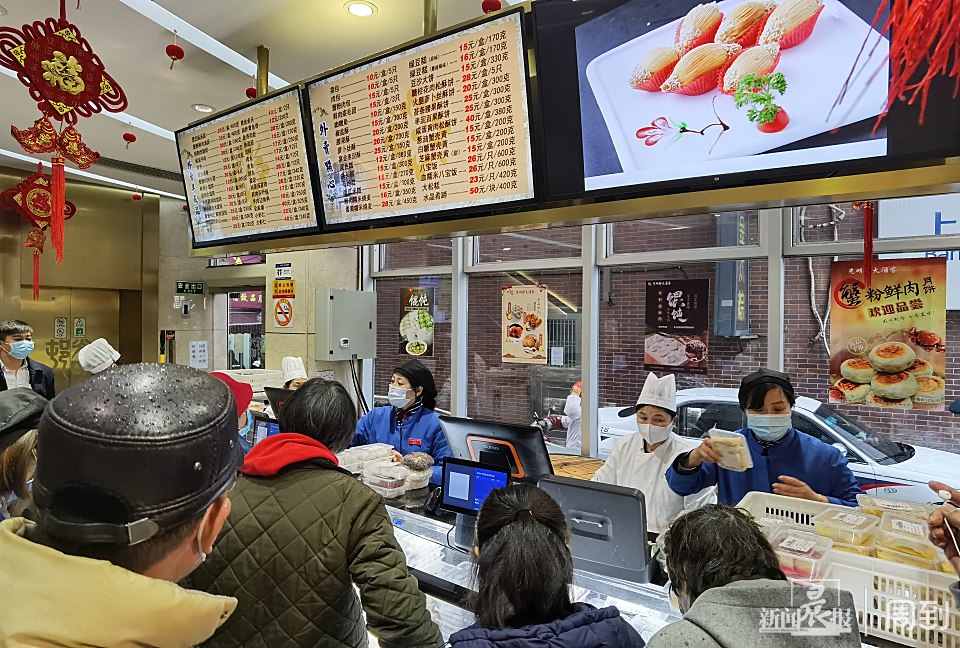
{"x": 416, "y": 321}
{"x": 524, "y": 324}
{"x": 677, "y": 314}
{"x": 888, "y": 341}
{"x": 441, "y": 126}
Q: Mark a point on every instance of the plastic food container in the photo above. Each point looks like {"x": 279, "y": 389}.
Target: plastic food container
{"x": 878, "y": 506}
{"x": 769, "y": 526}
{"x": 846, "y": 525}
{"x": 385, "y": 468}
{"x": 892, "y": 555}
{"x": 417, "y": 479}
{"x": 802, "y": 555}
{"x": 733, "y": 449}
{"x": 907, "y": 535}
{"x": 943, "y": 564}
{"x": 863, "y": 550}
{"x": 383, "y": 482}
{"x": 389, "y": 493}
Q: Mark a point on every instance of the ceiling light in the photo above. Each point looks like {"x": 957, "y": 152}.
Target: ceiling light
{"x": 361, "y": 9}
{"x": 202, "y": 108}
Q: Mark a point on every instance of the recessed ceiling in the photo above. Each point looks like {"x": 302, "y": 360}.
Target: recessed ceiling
{"x": 305, "y": 39}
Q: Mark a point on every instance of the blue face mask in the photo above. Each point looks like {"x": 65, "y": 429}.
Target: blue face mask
{"x": 770, "y": 427}
{"x": 20, "y": 350}
{"x": 246, "y": 428}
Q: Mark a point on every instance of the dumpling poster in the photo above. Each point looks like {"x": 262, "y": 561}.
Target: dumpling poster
{"x": 888, "y": 342}
{"x": 677, "y": 314}
{"x": 417, "y": 321}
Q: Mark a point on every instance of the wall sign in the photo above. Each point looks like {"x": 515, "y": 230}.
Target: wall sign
{"x": 677, "y": 314}
{"x": 888, "y": 342}
{"x": 284, "y": 288}
{"x": 198, "y": 355}
{"x": 524, "y": 324}
{"x": 284, "y": 270}
{"x": 79, "y": 327}
{"x": 189, "y": 287}
{"x": 59, "y": 328}
{"x": 416, "y": 321}
{"x": 283, "y": 313}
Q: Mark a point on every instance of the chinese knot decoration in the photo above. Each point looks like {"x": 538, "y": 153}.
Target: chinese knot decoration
{"x": 68, "y": 81}
{"x": 33, "y": 200}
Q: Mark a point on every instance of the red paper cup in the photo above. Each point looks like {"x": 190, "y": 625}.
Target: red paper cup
{"x": 654, "y": 82}
{"x": 701, "y": 85}
{"x": 773, "y": 67}
{"x": 749, "y": 38}
{"x": 801, "y": 32}
{"x": 703, "y": 39}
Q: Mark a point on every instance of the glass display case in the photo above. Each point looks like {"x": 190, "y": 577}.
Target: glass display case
{"x": 445, "y": 574}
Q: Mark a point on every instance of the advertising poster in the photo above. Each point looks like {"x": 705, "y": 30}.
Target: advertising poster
{"x": 677, "y": 313}
{"x": 524, "y": 325}
{"x": 888, "y": 342}
{"x": 416, "y": 321}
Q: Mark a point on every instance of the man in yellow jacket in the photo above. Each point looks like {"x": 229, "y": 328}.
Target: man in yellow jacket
{"x": 133, "y": 467}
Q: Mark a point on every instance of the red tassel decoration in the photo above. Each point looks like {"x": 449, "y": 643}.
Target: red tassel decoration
{"x": 58, "y": 193}
{"x": 868, "y": 208}
{"x": 36, "y": 276}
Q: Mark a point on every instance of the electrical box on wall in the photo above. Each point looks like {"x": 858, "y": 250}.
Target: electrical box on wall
{"x": 346, "y": 324}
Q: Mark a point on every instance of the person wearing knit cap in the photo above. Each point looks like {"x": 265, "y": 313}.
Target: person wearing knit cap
{"x": 786, "y": 461}
{"x": 243, "y": 396}
{"x": 294, "y": 372}
{"x": 409, "y": 424}
{"x": 98, "y": 356}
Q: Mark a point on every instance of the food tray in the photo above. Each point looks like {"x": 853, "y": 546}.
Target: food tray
{"x": 860, "y": 550}
{"x": 892, "y": 555}
{"x": 802, "y": 555}
{"x": 815, "y": 70}
{"x": 845, "y": 525}
{"x": 906, "y": 535}
{"x": 733, "y": 449}
{"x": 384, "y": 482}
{"x": 878, "y": 506}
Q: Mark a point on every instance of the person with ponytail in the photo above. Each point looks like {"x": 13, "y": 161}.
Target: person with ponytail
{"x": 524, "y": 573}
{"x": 409, "y": 424}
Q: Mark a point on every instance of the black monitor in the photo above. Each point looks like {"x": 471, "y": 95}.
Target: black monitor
{"x": 519, "y": 448}
{"x": 277, "y": 396}
{"x": 608, "y": 527}
{"x": 263, "y": 427}
{"x": 466, "y": 484}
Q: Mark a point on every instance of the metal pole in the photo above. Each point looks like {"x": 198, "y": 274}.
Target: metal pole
{"x": 263, "y": 70}
{"x": 771, "y": 237}
{"x": 590, "y": 342}
{"x": 429, "y": 17}
{"x": 460, "y": 360}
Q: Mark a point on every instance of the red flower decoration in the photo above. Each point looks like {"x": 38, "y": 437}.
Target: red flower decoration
{"x": 656, "y": 131}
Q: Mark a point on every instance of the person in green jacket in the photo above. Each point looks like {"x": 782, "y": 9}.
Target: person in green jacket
{"x": 302, "y": 533}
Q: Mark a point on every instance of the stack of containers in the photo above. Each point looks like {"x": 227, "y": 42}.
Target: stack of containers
{"x": 850, "y": 530}
{"x": 356, "y": 458}
{"x": 385, "y": 477}
{"x": 802, "y": 555}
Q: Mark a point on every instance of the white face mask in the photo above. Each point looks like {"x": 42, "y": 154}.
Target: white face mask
{"x": 653, "y": 434}
{"x": 398, "y": 397}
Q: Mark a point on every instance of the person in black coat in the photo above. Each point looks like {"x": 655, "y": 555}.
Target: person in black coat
{"x": 18, "y": 370}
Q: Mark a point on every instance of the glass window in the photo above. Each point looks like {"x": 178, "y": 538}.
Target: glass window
{"x": 557, "y": 243}
{"x": 392, "y": 345}
{"x": 623, "y": 329}
{"x": 685, "y": 232}
{"x": 826, "y": 223}
{"x": 417, "y": 254}
{"x": 245, "y": 259}
{"x": 245, "y": 332}
{"x": 514, "y": 393}
{"x": 698, "y": 418}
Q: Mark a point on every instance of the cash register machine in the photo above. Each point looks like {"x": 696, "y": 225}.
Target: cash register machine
{"x": 466, "y": 485}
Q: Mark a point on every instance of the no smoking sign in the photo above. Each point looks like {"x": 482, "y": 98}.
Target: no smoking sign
{"x": 283, "y": 312}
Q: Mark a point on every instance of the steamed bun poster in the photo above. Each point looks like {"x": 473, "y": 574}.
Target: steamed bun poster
{"x": 888, "y": 342}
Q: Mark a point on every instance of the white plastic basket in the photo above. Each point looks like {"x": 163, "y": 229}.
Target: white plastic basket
{"x": 892, "y": 600}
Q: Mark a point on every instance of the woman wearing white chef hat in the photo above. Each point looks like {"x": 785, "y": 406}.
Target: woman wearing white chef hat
{"x": 294, "y": 372}
{"x": 641, "y": 460}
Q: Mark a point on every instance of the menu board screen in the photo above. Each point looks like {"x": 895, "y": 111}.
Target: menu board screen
{"x": 440, "y": 127}
{"x": 246, "y": 173}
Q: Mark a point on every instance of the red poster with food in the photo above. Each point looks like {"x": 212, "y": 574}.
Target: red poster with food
{"x": 888, "y": 342}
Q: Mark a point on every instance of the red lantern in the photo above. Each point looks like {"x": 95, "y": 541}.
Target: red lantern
{"x": 174, "y": 51}
{"x": 137, "y": 197}
{"x": 251, "y": 93}
{"x": 186, "y": 208}
{"x": 489, "y": 6}
{"x": 129, "y": 138}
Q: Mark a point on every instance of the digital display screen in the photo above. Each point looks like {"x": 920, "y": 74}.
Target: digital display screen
{"x": 246, "y": 173}
{"x": 438, "y": 128}
{"x": 265, "y": 428}
{"x": 466, "y": 485}
{"x": 657, "y": 99}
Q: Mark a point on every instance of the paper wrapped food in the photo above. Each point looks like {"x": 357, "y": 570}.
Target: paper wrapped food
{"x": 418, "y": 461}
{"x": 744, "y": 24}
{"x": 791, "y": 23}
{"x": 733, "y": 449}
{"x": 654, "y": 68}
{"x": 759, "y": 60}
{"x": 700, "y": 69}
{"x": 699, "y": 26}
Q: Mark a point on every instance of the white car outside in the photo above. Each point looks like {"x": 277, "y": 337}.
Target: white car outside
{"x": 884, "y": 468}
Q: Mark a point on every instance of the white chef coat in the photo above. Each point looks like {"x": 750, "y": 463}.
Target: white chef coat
{"x": 18, "y": 377}
{"x": 572, "y": 419}
{"x": 631, "y": 466}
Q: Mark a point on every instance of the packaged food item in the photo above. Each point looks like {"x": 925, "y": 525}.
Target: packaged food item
{"x": 801, "y": 554}
{"x": 906, "y": 535}
{"x": 863, "y": 550}
{"x": 878, "y": 506}
{"x": 886, "y": 553}
{"x": 769, "y": 525}
{"x": 846, "y": 525}
{"x": 733, "y": 449}
{"x": 418, "y": 461}
{"x": 417, "y": 479}
{"x": 389, "y": 493}
{"x": 943, "y": 564}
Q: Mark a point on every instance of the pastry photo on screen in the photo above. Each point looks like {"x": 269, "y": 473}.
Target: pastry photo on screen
{"x": 680, "y": 90}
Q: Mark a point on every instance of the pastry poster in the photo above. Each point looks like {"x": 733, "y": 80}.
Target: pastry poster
{"x": 677, "y": 313}
{"x": 888, "y": 342}
{"x": 416, "y": 321}
{"x": 524, "y": 324}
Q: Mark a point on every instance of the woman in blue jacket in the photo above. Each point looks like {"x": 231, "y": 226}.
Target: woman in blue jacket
{"x": 524, "y": 575}
{"x": 785, "y": 460}
{"x": 409, "y": 424}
